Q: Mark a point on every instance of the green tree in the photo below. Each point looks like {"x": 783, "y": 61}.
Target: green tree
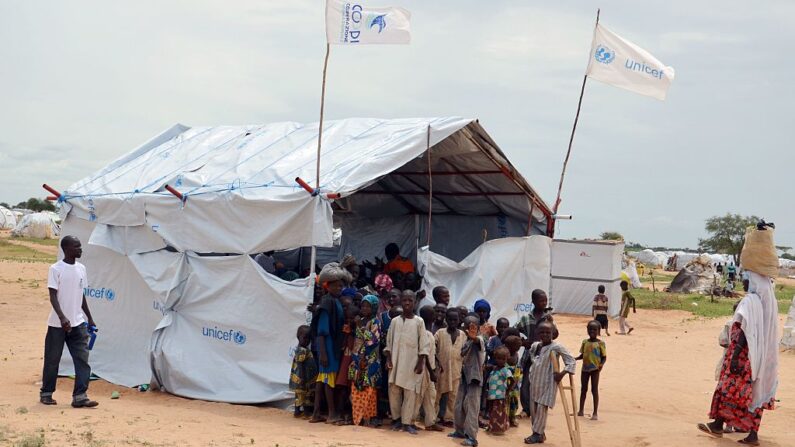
{"x": 5, "y": 205}
{"x": 611, "y": 236}
{"x": 37, "y": 205}
{"x": 726, "y": 234}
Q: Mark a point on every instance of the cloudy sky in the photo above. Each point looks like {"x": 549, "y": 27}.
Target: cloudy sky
{"x": 83, "y": 82}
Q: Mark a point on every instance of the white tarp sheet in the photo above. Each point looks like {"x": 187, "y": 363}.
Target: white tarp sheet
{"x": 124, "y": 306}
{"x": 578, "y": 269}
{"x": 225, "y": 317}
{"x": 509, "y": 269}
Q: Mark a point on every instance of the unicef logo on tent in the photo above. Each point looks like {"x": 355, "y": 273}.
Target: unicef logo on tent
{"x": 221, "y": 335}
{"x": 604, "y": 54}
{"x": 102, "y": 293}
{"x": 379, "y": 21}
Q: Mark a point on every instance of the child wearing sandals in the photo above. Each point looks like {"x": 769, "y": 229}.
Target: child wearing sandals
{"x": 593, "y": 355}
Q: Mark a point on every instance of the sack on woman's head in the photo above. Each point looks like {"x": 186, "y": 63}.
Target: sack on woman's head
{"x": 759, "y": 252}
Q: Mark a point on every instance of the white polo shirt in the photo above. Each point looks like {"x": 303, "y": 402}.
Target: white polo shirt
{"x": 69, "y": 280}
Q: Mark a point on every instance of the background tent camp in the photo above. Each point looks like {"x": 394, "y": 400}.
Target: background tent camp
{"x": 175, "y": 280}
{"x": 42, "y": 225}
{"x": 8, "y": 220}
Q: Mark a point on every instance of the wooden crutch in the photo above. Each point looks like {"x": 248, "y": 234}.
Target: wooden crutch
{"x": 572, "y": 423}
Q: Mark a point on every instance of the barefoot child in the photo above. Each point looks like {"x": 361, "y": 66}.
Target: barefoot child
{"x": 599, "y": 309}
{"x": 365, "y": 370}
{"x": 427, "y": 398}
{"x": 593, "y": 355}
{"x": 627, "y": 301}
{"x": 513, "y": 343}
{"x": 543, "y": 379}
{"x": 303, "y": 374}
{"x": 499, "y": 383}
{"x": 449, "y": 343}
{"x": 327, "y": 334}
{"x": 406, "y": 351}
{"x": 343, "y": 385}
{"x": 467, "y": 403}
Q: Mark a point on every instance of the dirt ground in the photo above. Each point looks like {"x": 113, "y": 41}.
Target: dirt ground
{"x": 656, "y": 386}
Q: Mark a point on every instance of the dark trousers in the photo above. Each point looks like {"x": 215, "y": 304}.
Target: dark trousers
{"x": 77, "y": 342}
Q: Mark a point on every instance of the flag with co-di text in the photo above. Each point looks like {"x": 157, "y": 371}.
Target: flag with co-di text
{"x": 621, "y": 63}
{"x": 356, "y": 23}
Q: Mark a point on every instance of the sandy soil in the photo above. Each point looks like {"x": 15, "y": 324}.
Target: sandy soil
{"x": 656, "y": 386}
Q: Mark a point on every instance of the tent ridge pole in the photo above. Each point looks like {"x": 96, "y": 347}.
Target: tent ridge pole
{"x": 430, "y": 183}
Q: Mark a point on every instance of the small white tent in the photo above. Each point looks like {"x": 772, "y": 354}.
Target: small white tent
{"x": 8, "y": 220}
{"x": 39, "y": 225}
{"x": 173, "y": 280}
{"x": 579, "y": 268}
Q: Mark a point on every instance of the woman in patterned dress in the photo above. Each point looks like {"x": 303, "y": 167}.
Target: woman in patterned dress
{"x": 365, "y": 370}
{"x": 749, "y": 373}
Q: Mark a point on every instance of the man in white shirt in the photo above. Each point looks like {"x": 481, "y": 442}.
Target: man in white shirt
{"x": 68, "y": 323}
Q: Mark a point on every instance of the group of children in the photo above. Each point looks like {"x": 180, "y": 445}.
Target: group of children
{"x": 370, "y": 356}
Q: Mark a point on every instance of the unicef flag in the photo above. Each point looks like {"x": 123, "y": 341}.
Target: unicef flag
{"x": 621, "y": 63}
{"x": 354, "y": 23}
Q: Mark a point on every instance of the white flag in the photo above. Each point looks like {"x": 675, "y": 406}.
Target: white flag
{"x": 621, "y": 63}
{"x": 353, "y": 23}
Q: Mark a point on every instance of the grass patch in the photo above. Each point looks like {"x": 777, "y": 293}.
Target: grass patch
{"x": 702, "y": 305}
{"x": 35, "y": 240}
{"x": 31, "y": 441}
{"x": 13, "y": 252}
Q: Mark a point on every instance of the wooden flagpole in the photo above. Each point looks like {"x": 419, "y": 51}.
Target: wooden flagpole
{"x": 322, "y": 107}
{"x": 313, "y": 258}
{"x": 573, "y": 129}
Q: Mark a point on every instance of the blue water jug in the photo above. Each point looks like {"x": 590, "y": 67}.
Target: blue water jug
{"x": 92, "y": 336}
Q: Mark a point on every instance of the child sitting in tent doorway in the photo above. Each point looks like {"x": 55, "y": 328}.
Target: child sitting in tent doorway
{"x": 395, "y": 262}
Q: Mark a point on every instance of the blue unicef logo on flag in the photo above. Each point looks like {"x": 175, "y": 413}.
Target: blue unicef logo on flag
{"x": 379, "y": 21}
{"x": 240, "y": 338}
{"x": 604, "y": 54}
{"x": 110, "y": 295}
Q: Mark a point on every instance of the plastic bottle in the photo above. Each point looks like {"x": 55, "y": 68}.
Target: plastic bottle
{"x": 92, "y": 336}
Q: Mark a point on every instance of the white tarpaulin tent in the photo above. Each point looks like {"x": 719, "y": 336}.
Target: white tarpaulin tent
{"x": 483, "y": 274}
{"x": 8, "y": 220}
{"x": 650, "y": 258}
{"x": 171, "y": 282}
{"x": 579, "y": 268}
{"x": 39, "y": 225}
